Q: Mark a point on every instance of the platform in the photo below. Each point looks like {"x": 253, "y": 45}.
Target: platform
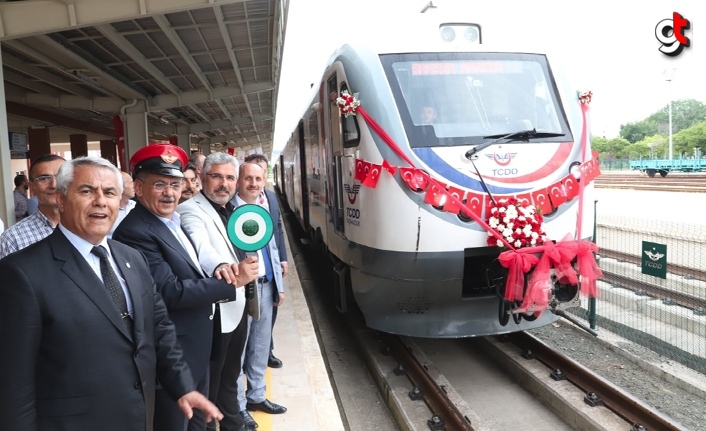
{"x": 302, "y": 384}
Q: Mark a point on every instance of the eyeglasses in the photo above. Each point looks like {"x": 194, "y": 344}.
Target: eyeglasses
{"x": 44, "y": 179}
{"x": 161, "y": 186}
{"x": 219, "y": 177}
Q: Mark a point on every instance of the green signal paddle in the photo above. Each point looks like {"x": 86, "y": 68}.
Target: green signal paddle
{"x": 250, "y": 227}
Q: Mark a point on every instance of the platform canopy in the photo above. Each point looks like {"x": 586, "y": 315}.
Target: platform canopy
{"x": 203, "y": 68}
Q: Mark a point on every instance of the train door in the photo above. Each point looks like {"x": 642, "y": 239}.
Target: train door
{"x": 335, "y": 149}
{"x": 305, "y": 172}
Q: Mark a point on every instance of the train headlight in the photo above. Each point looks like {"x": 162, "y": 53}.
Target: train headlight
{"x": 448, "y": 34}
{"x": 471, "y": 32}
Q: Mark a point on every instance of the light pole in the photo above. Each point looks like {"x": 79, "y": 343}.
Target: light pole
{"x": 669, "y": 73}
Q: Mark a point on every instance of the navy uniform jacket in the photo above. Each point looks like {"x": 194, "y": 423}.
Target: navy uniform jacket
{"x": 188, "y": 294}
{"x": 67, "y": 361}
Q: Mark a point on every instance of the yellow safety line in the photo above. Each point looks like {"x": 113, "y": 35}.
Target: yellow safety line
{"x": 264, "y": 420}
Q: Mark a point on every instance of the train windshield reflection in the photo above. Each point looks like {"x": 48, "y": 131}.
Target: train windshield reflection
{"x": 456, "y": 99}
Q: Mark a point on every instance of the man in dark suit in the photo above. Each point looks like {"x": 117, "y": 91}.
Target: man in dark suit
{"x": 154, "y": 228}
{"x": 84, "y": 335}
{"x": 269, "y": 201}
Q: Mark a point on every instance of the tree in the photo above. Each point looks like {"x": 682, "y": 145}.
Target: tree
{"x": 618, "y": 147}
{"x": 688, "y": 139}
{"x": 685, "y": 113}
{"x": 639, "y": 150}
{"x": 658, "y": 145}
{"x": 610, "y": 148}
{"x": 599, "y": 144}
{"x": 634, "y": 132}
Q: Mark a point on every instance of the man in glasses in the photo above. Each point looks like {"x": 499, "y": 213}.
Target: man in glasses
{"x": 154, "y": 228}
{"x": 42, "y": 182}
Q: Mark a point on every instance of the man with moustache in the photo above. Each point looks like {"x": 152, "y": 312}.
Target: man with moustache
{"x": 268, "y": 200}
{"x": 270, "y": 287}
{"x": 154, "y": 228}
{"x": 42, "y": 174}
{"x": 191, "y": 183}
{"x": 205, "y": 218}
{"x": 85, "y": 338}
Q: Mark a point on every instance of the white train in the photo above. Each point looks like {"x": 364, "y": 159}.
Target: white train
{"x": 412, "y": 267}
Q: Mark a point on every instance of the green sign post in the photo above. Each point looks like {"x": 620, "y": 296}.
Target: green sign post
{"x": 654, "y": 259}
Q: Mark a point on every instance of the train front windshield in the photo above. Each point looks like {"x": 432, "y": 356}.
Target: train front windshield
{"x": 449, "y": 99}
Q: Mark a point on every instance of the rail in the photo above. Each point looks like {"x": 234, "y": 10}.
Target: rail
{"x": 598, "y": 390}
{"x": 445, "y": 414}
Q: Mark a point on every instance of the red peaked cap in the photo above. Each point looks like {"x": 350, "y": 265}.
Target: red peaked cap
{"x": 162, "y": 159}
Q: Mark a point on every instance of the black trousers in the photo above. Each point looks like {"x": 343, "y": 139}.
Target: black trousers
{"x": 225, "y": 369}
{"x": 168, "y": 417}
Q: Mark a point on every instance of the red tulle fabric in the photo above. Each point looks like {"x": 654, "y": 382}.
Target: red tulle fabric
{"x": 563, "y": 269}
{"x": 517, "y": 264}
{"x": 588, "y": 268}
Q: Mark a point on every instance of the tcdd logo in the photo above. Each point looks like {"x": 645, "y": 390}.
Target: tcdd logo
{"x": 352, "y": 192}
{"x": 670, "y": 32}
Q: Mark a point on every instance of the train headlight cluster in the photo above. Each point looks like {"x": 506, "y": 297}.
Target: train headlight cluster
{"x": 469, "y": 33}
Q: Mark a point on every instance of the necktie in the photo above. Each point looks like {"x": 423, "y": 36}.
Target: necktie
{"x": 112, "y": 285}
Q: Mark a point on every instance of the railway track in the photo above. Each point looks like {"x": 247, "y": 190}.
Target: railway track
{"x": 536, "y": 367}
{"x": 694, "y": 183}
{"x": 422, "y": 398}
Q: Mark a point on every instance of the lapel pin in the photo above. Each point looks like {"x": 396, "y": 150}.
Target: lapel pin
{"x": 127, "y": 264}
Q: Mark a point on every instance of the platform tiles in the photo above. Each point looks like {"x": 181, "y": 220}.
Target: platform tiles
{"x": 302, "y": 384}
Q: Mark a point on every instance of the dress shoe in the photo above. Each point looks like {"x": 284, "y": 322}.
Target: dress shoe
{"x": 267, "y": 407}
{"x": 248, "y": 420}
{"x": 274, "y": 362}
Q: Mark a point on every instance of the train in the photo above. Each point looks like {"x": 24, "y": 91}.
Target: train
{"x": 480, "y": 120}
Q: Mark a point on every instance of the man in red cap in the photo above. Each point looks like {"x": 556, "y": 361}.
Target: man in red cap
{"x": 154, "y": 228}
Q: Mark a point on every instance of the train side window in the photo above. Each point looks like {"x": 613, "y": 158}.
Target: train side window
{"x": 349, "y": 127}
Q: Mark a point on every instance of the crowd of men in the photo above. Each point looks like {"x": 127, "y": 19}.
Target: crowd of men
{"x": 123, "y": 303}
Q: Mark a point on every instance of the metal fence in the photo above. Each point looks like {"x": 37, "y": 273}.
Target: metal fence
{"x": 654, "y": 287}
{"x": 615, "y": 164}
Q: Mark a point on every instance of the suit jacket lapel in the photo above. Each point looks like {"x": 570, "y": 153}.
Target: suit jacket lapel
{"x": 165, "y": 234}
{"x": 78, "y": 270}
{"x": 206, "y": 206}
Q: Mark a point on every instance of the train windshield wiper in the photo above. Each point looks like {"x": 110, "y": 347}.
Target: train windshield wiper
{"x": 514, "y": 136}
{"x": 525, "y": 134}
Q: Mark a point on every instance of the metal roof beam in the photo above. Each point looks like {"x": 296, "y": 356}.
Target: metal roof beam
{"x": 113, "y": 104}
{"x": 226, "y": 138}
{"x": 197, "y": 128}
{"x": 71, "y": 50}
{"x": 116, "y": 38}
{"x": 167, "y": 101}
{"x": 42, "y": 75}
{"x": 26, "y": 18}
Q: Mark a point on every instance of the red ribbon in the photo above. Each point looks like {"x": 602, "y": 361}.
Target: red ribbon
{"x": 517, "y": 264}
{"x": 588, "y": 268}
